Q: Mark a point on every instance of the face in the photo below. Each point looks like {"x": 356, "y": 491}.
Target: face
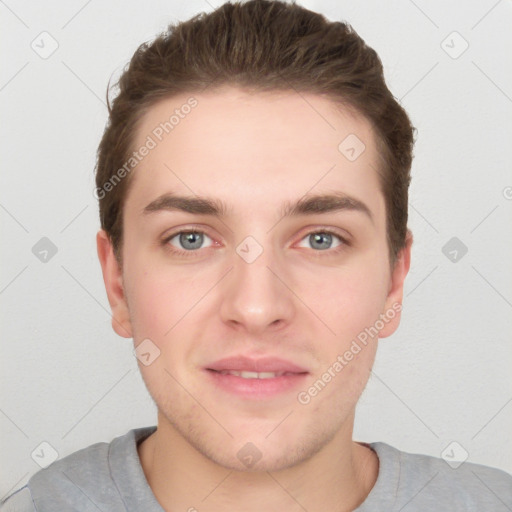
{"x": 258, "y": 320}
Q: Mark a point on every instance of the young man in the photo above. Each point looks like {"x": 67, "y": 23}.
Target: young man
{"x": 253, "y": 183}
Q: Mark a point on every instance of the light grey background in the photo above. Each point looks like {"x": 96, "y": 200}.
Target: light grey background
{"x": 67, "y": 379}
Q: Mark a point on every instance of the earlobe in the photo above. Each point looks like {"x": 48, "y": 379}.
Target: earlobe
{"x": 113, "y": 279}
{"x": 393, "y": 304}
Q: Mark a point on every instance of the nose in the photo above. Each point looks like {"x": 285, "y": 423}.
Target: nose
{"x": 255, "y": 295}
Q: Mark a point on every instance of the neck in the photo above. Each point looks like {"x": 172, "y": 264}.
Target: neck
{"x": 181, "y": 478}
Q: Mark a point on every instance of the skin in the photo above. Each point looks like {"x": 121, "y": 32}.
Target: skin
{"x": 254, "y": 152}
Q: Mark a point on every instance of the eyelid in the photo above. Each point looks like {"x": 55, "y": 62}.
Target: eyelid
{"x": 340, "y": 233}
{"x": 189, "y": 228}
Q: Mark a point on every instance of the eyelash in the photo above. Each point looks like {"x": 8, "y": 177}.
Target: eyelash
{"x": 181, "y": 252}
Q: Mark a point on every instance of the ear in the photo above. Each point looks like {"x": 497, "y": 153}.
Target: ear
{"x": 113, "y": 278}
{"x": 393, "y": 304}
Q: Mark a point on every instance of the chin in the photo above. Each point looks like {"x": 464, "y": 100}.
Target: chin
{"x": 259, "y": 452}
{"x": 250, "y": 459}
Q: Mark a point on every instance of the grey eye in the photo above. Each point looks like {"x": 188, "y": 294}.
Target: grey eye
{"x": 320, "y": 241}
{"x": 189, "y": 240}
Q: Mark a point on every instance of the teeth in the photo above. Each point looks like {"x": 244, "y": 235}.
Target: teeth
{"x": 253, "y": 375}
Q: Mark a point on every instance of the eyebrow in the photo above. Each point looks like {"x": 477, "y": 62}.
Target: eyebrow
{"x": 307, "y": 205}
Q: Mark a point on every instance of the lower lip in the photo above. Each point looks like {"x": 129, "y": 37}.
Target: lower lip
{"x": 257, "y": 388}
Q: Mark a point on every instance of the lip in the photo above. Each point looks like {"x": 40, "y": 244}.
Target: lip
{"x": 250, "y": 364}
{"x": 256, "y": 388}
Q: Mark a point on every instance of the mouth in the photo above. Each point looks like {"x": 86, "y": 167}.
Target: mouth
{"x": 258, "y": 379}
{"x": 253, "y": 375}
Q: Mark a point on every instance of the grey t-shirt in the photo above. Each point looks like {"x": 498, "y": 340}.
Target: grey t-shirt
{"x": 109, "y": 477}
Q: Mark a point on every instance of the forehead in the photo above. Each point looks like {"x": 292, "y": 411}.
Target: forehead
{"x": 254, "y": 150}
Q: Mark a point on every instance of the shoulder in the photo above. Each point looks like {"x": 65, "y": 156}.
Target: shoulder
{"x": 444, "y": 484}
{"x": 62, "y": 482}
{"x": 18, "y": 501}
{"x": 81, "y": 480}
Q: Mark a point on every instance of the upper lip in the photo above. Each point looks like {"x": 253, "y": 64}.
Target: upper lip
{"x": 250, "y": 364}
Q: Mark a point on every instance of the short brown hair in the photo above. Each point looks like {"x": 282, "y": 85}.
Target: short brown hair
{"x": 260, "y": 45}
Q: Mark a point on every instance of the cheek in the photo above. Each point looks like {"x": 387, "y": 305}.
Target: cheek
{"x": 151, "y": 305}
{"x": 348, "y": 300}
{"x": 160, "y": 307}
{"x": 159, "y": 299}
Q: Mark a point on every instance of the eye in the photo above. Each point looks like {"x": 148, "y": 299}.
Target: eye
{"x": 323, "y": 240}
{"x": 187, "y": 241}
